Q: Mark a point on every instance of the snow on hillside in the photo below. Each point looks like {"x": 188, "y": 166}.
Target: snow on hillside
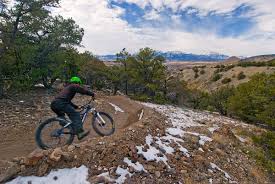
{"x": 157, "y": 148}
{"x": 61, "y": 176}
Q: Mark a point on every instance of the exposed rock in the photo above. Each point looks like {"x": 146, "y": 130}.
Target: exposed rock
{"x": 17, "y": 159}
{"x": 131, "y": 169}
{"x": 71, "y": 148}
{"x": 133, "y": 153}
{"x": 22, "y": 168}
{"x": 150, "y": 168}
{"x": 219, "y": 152}
{"x": 100, "y": 179}
{"x": 10, "y": 173}
{"x": 42, "y": 169}
{"x": 56, "y": 154}
{"x": 67, "y": 156}
{"x": 183, "y": 171}
{"x": 33, "y": 158}
{"x": 141, "y": 126}
{"x": 165, "y": 160}
{"x": 157, "y": 173}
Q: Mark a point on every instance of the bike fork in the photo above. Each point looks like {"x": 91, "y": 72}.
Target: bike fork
{"x": 102, "y": 120}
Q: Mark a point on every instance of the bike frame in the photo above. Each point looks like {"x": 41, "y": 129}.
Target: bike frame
{"x": 84, "y": 114}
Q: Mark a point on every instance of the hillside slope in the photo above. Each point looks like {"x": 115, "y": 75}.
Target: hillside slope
{"x": 206, "y": 72}
{"x": 166, "y": 144}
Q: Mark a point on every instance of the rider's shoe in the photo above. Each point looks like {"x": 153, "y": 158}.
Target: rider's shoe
{"x": 82, "y": 134}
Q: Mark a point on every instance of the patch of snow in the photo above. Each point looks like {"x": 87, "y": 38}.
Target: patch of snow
{"x": 200, "y": 149}
{"x": 177, "y": 116}
{"x": 61, "y": 176}
{"x": 39, "y": 85}
{"x": 122, "y": 175}
{"x": 192, "y": 133}
{"x": 106, "y": 175}
{"x": 149, "y": 140}
{"x": 213, "y": 129}
{"x": 183, "y": 150}
{"x": 137, "y": 166}
{"x": 179, "y": 119}
{"x": 175, "y": 131}
{"x": 151, "y": 154}
{"x": 183, "y": 117}
{"x": 117, "y": 109}
{"x": 141, "y": 115}
{"x": 204, "y": 139}
{"x": 176, "y": 140}
{"x": 165, "y": 146}
{"x": 210, "y": 180}
{"x": 227, "y": 176}
{"x": 171, "y": 138}
{"x": 240, "y": 138}
{"x": 210, "y": 170}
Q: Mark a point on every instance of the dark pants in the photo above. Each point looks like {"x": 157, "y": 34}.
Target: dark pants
{"x": 60, "y": 107}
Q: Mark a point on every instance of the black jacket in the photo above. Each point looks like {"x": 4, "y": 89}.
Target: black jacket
{"x": 68, "y": 93}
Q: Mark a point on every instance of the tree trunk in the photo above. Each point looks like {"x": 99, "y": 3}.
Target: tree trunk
{"x": 126, "y": 81}
{"x": 1, "y": 88}
{"x": 16, "y": 23}
{"x": 126, "y": 87}
{"x": 134, "y": 90}
{"x": 47, "y": 84}
{"x": 115, "y": 89}
{"x": 165, "y": 87}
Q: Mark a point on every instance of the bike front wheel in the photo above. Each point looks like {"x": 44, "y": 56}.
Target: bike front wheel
{"x": 103, "y": 124}
{"x": 51, "y": 134}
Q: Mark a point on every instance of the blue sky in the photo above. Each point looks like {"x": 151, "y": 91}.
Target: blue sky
{"x": 233, "y": 27}
{"x": 232, "y": 24}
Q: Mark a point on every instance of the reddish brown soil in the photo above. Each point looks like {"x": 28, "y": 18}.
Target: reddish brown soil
{"x": 19, "y": 120}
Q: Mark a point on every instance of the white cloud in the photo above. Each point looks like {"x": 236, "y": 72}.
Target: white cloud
{"x": 264, "y": 9}
{"x": 152, "y": 15}
{"x": 219, "y": 6}
{"x": 106, "y": 32}
{"x": 140, "y": 3}
{"x": 192, "y": 10}
{"x": 198, "y": 43}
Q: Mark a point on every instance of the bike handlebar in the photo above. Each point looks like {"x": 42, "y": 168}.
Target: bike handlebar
{"x": 83, "y": 106}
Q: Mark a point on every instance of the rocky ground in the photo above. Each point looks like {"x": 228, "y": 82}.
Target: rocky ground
{"x": 152, "y": 144}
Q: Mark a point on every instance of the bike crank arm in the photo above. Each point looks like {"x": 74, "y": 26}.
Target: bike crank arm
{"x": 68, "y": 124}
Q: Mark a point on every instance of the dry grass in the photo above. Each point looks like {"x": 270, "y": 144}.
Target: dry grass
{"x": 203, "y": 82}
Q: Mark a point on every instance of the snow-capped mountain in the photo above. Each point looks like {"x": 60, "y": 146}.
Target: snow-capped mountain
{"x": 178, "y": 56}
{"x": 108, "y": 57}
{"x": 182, "y": 56}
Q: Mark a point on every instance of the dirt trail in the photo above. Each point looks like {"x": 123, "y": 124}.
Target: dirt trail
{"x": 168, "y": 145}
{"x": 19, "y": 120}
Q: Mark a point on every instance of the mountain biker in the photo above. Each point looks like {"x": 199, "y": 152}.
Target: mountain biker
{"x": 62, "y": 104}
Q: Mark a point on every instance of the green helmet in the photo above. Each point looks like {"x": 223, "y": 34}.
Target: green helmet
{"x": 76, "y": 80}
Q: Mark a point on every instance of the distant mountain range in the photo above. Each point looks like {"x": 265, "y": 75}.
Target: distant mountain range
{"x": 178, "y": 56}
{"x": 181, "y": 56}
{"x": 260, "y": 58}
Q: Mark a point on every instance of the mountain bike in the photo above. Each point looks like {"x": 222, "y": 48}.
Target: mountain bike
{"x": 57, "y": 132}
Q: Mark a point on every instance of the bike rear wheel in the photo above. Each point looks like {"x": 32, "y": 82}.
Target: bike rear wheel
{"x": 51, "y": 134}
{"x": 103, "y": 124}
